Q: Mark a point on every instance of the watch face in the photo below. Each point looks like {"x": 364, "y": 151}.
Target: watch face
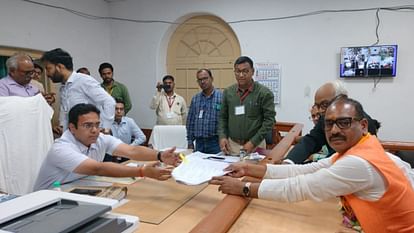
{"x": 246, "y": 191}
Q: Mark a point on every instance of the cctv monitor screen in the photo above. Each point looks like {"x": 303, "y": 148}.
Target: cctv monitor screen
{"x": 368, "y": 61}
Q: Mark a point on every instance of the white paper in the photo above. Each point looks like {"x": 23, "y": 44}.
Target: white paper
{"x": 196, "y": 169}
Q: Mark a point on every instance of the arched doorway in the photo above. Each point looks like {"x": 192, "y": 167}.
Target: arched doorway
{"x": 202, "y": 42}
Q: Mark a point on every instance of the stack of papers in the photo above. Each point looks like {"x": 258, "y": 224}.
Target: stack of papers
{"x": 197, "y": 169}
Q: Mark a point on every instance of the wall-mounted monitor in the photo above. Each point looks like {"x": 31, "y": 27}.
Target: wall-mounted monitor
{"x": 368, "y": 61}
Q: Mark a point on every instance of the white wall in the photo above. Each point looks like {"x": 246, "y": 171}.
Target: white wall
{"x": 27, "y": 25}
{"x": 307, "y": 48}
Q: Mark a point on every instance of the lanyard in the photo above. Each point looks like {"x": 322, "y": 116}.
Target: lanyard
{"x": 170, "y": 103}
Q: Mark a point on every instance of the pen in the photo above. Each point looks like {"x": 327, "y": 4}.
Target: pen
{"x": 215, "y": 157}
{"x": 183, "y": 158}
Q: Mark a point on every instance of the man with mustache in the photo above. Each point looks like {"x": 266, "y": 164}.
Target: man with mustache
{"x": 114, "y": 88}
{"x": 76, "y": 88}
{"x": 313, "y": 142}
{"x": 203, "y": 116}
{"x": 376, "y": 186}
{"x": 81, "y": 150}
{"x": 20, "y": 71}
{"x": 170, "y": 107}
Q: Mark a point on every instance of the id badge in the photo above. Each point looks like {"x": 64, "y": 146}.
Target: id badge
{"x": 200, "y": 114}
{"x": 239, "y": 110}
{"x": 169, "y": 115}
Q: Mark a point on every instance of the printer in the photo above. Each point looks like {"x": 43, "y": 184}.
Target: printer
{"x": 49, "y": 211}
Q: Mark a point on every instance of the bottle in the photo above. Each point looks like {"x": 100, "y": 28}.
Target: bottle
{"x": 243, "y": 153}
{"x": 56, "y": 186}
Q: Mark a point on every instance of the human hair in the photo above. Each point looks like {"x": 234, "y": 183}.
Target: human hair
{"x": 206, "y": 70}
{"x": 37, "y": 65}
{"x": 120, "y": 101}
{"x": 343, "y": 99}
{"x": 79, "y": 110}
{"x": 242, "y": 60}
{"x": 104, "y": 66}
{"x": 339, "y": 88}
{"x": 168, "y": 77}
{"x": 12, "y": 62}
{"x": 83, "y": 70}
{"x": 58, "y": 56}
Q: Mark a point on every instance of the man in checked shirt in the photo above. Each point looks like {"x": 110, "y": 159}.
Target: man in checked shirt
{"x": 203, "y": 116}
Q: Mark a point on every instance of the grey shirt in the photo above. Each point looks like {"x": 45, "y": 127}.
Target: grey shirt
{"x": 67, "y": 153}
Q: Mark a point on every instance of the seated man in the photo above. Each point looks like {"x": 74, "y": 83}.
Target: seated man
{"x": 81, "y": 149}
{"x": 375, "y": 185}
{"x": 313, "y": 142}
{"x": 125, "y": 129}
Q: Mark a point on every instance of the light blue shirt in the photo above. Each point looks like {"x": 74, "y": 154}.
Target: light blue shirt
{"x": 126, "y": 129}
{"x": 67, "y": 153}
{"x": 82, "y": 88}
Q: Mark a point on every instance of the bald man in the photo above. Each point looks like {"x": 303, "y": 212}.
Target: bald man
{"x": 20, "y": 71}
{"x": 314, "y": 141}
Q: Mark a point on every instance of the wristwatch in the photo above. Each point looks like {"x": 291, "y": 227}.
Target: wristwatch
{"x": 246, "y": 189}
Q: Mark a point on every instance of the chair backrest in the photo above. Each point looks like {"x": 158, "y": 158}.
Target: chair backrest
{"x": 25, "y": 138}
{"x": 166, "y": 136}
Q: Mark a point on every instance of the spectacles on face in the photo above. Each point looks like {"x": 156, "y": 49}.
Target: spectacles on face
{"x": 322, "y": 105}
{"x": 27, "y": 73}
{"x": 90, "y": 125}
{"x": 342, "y": 123}
{"x": 201, "y": 80}
{"x": 242, "y": 72}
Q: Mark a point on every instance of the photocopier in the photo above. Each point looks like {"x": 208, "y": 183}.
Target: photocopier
{"x": 49, "y": 211}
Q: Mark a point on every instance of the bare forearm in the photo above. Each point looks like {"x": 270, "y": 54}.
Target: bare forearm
{"x": 257, "y": 171}
{"x": 108, "y": 169}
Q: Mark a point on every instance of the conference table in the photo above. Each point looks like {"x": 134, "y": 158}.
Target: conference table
{"x": 167, "y": 206}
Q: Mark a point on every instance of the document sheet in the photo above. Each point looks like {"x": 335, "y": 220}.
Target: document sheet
{"x": 197, "y": 169}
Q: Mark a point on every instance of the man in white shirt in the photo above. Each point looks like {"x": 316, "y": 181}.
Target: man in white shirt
{"x": 170, "y": 108}
{"x": 348, "y": 172}
{"x": 81, "y": 150}
{"x": 77, "y": 88}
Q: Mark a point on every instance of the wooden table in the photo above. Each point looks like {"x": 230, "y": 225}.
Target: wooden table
{"x": 259, "y": 216}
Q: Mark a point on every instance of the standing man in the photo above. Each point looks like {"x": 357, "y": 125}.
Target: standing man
{"x": 202, "y": 120}
{"x": 114, "y": 88}
{"x": 248, "y": 112}
{"x": 169, "y": 107}
{"x": 37, "y": 74}
{"x": 20, "y": 71}
{"x": 81, "y": 149}
{"x": 76, "y": 88}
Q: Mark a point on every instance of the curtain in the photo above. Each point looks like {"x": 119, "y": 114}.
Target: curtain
{"x": 3, "y": 68}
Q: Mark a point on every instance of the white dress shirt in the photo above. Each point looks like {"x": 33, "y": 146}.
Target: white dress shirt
{"x": 322, "y": 180}
{"x": 82, "y": 88}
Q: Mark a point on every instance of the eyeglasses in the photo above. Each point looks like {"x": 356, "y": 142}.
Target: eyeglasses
{"x": 322, "y": 105}
{"x": 202, "y": 80}
{"x": 342, "y": 123}
{"x": 90, "y": 125}
{"x": 27, "y": 73}
{"x": 243, "y": 72}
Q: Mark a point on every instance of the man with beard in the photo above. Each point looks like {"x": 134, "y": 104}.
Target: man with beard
{"x": 375, "y": 186}
{"x": 314, "y": 141}
{"x": 170, "y": 107}
{"x": 20, "y": 70}
{"x": 203, "y": 116}
{"x": 76, "y": 88}
{"x": 114, "y": 88}
{"x": 81, "y": 150}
